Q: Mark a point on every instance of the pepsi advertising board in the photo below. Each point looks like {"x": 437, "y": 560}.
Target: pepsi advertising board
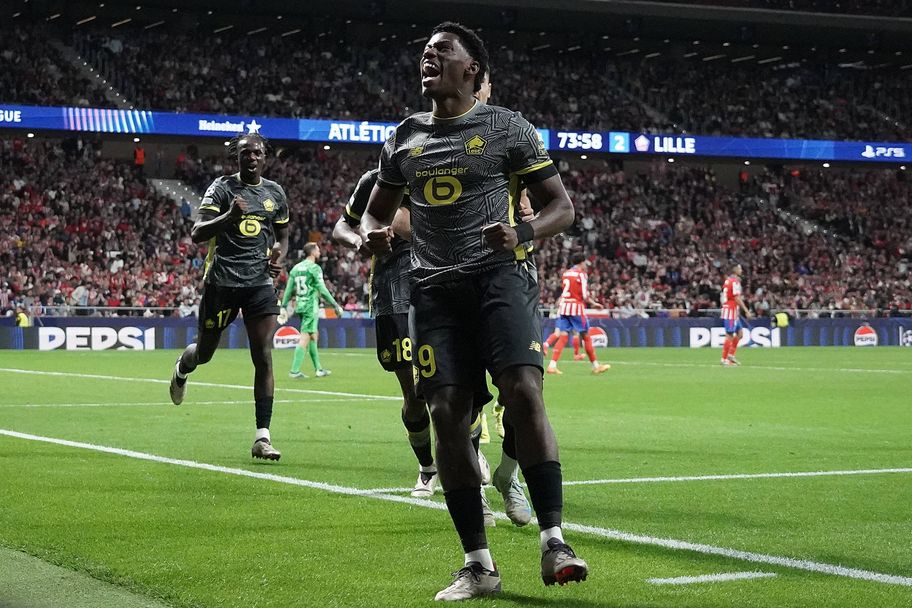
{"x": 146, "y": 122}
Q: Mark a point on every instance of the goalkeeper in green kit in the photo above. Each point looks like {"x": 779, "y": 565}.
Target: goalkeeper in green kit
{"x": 305, "y": 283}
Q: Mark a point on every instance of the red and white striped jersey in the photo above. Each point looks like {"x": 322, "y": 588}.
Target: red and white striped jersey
{"x": 730, "y": 290}
{"x": 575, "y": 294}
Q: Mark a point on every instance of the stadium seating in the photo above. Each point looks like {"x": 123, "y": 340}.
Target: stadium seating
{"x": 659, "y": 238}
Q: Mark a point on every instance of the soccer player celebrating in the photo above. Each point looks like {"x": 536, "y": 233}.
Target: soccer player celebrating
{"x": 474, "y": 301}
{"x": 732, "y": 304}
{"x": 244, "y": 217}
{"x": 572, "y": 313}
{"x": 389, "y": 301}
{"x": 305, "y": 281}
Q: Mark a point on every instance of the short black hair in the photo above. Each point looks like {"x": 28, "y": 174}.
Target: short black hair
{"x": 577, "y": 258}
{"x": 472, "y": 43}
{"x": 235, "y": 142}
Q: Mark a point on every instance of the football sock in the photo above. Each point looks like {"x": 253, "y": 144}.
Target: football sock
{"x": 559, "y": 348}
{"x": 544, "y": 481}
{"x": 576, "y": 345}
{"x": 262, "y": 433}
{"x": 546, "y": 535}
{"x": 263, "y": 412}
{"x": 298, "y": 359}
{"x": 590, "y": 350}
{"x": 314, "y": 357}
{"x": 475, "y": 431}
{"x": 482, "y": 556}
{"x": 509, "y": 441}
{"x": 552, "y": 339}
{"x": 464, "y": 506}
{"x": 419, "y": 436}
{"x": 733, "y": 347}
{"x": 725, "y": 347}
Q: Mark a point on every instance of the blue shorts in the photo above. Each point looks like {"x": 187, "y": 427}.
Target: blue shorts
{"x": 732, "y": 327}
{"x": 574, "y": 322}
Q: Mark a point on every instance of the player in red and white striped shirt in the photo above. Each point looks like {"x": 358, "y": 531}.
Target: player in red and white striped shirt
{"x": 572, "y": 313}
{"x": 732, "y": 304}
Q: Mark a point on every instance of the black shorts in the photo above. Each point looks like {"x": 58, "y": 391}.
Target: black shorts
{"x": 219, "y": 306}
{"x": 394, "y": 346}
{"x": 488, "y": 321}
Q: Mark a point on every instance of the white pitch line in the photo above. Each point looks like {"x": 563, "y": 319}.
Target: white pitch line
{"x": 711, "y": 578}
{"x": 304, "y": 391}
{"x": 668, "y": 543}
{"x": 848, "y": 370}
{"x": 158, "y": 403}
{"x": 593, "y": 482}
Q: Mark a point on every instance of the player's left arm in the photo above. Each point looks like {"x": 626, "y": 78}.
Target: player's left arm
{"x": 320, "y": 286}
{"x": 528, "y": 159}
{"x": 743, "y": 306}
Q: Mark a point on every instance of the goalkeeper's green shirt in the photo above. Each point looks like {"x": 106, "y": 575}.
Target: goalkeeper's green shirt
{"x": 305, "y": 283}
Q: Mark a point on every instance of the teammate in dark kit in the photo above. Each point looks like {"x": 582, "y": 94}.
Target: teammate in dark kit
{"x": 244, "y": 217}
{"x": 389, "y": 303}
{"x": 474, "y": 299}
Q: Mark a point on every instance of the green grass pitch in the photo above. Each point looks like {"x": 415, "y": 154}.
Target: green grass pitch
{"x": 186, "y": 534}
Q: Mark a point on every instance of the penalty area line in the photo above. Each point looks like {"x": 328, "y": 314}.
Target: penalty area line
{"x": 627, "y": 537}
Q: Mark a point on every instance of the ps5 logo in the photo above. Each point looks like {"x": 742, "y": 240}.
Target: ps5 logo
{"x": 883, "y": 152}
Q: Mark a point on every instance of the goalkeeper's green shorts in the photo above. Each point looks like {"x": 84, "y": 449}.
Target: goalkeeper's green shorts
{"x": 309, "y": 321}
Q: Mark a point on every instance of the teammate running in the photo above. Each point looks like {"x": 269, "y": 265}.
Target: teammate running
{"x": 244, "y": 217}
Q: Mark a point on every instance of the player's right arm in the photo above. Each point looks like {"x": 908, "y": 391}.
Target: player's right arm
{"x": 385, "y": 198}
{"x": 216, "y": 213}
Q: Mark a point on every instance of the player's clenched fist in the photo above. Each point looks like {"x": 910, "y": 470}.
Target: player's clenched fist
{"x": 238, "y": 207}
{"x": 500, "y": 237}
{"x": 380, "y": 241}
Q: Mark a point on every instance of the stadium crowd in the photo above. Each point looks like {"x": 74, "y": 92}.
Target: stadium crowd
{"x": 88, "y": 232}
{"x": 808, "y": 94}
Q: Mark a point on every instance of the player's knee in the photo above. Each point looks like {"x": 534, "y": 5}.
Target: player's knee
{"x": 520, "y": 389}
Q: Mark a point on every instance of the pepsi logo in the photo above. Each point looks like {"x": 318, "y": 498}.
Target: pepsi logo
{"x": 285, "y": 337}
{"x": 865, "y": 336}
{"x": 599, "y": 337}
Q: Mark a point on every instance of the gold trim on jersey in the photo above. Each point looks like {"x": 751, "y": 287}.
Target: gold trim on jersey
{"x": 370, "y": 287}
{"x": 352, "y": 214}
{"x": 285, "y": 221}
{"x": 513, "y": 194}
{"x": 210, "y": 258}
{"x": 215, "y": 208}
{"x": 534, "y": 167}
{"x": 238, "y": 176}
{"x": 474, "y": 105}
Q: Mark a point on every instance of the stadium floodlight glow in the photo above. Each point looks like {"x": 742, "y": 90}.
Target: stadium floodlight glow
{"x": 726, "y": 44}
{"x": 291, "y": 32}
{"x": 671, "y": 160}
{"x": 906, "y": 67}
{"x": 256, "y": 31}
{"x": 86, "y": 20}
{"x": 583, "y": 156}
{"x": 826, "y": 165}
{"x": 54, "y": 16}
{"x": 902, "y": 167}
{"x": 630, "y": 52}
{"x": 326, "y": 147}
{"x": 156, "y": 24}
{"x": 747, "y": 162}
{"x": 121, "y": 22}
{"x": 745, "y": 58}
{"x": 713, "y": 57}
{"x": 224, "y": 28}
{"x": 135, "y": 140}
{"x": 769, "y": 60}
{"x": 690, "y": 54}
{"x": 30, "y": 135}
{"x": 227, "y": 143}
{"x": 651, "y": 55}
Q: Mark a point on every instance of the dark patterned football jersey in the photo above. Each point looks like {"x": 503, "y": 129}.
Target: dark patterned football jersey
{"x": 239, "y": 255}
{"x": 462, "y": 174}
{"x": 389, "y": 284}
